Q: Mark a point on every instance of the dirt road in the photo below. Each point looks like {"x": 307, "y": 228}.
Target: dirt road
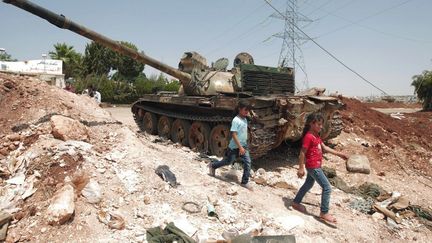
{"x": 124, "y": 115}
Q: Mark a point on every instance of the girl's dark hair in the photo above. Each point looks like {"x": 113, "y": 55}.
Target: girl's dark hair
{"x": 313, "y": 117}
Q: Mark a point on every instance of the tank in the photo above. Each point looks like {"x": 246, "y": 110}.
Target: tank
{"x": 199, "y": 115}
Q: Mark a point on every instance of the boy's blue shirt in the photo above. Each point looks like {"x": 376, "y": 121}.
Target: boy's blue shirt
{"x": 239, "y": 125}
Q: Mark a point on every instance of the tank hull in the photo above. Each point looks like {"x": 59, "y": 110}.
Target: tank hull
{"x": 274, "y": 119}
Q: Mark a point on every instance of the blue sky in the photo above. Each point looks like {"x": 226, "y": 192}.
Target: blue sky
{"x": 387, "y": 41}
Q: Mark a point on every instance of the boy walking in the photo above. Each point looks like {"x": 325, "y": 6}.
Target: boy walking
{"x": 238, "y": 145}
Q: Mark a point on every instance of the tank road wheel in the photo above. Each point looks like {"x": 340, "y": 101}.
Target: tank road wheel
{"x": 150, "y": 123}
{"x": 139, "y": 116}
{"x": 199, "y": 134}
{"x": 219, "y": 139}
{"x": 180, "y": 131}
{"x": 164, "y": 127}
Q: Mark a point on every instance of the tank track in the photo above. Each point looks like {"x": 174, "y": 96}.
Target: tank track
{"x": 261, "y": 139}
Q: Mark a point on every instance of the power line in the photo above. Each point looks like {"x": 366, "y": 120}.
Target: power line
{"x": 330, "y": 54}
{"x": 365, "y": 18}
{"x": 231, "y": 27}
{"x": 376, "y": 30}
{"x": 319, "y": 7}
{"x": 240, "y": 36}
{"x": 334, "y": 10}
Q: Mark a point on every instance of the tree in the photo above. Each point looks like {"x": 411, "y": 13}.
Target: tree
{"x": 423, "y": 88}
{"x": 99, "y": 59}
{"x": 127, "y": 68}
{"x": 4, "y": 56}
{"x": 72, "y": 61}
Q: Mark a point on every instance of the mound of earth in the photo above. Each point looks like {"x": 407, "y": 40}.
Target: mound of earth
{"x": 410, "y": 136}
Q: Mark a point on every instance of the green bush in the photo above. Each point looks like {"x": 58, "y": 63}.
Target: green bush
{"x": 123, "y": 92}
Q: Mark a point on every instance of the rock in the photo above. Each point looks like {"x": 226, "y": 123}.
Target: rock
{"x": 146, "y": 199}
{"x": 184, "y": 225}
{"x": 92, "y": 191}
{"x": 358, "y": 164}
{"x": 280, "y": 183}
{"x": 65, "y": 128}
{"x": 114, "y": 220}
{"x": 377, "y": 216}
{"x": 62, "y": 206}
{"x": 261, "y": 171}
{"x": 4, "y": 151}
{"x": 3, "y": 231}
{"x": 14, "y": 137}
{"x": 260, "y": 180}
{"x": 232, "y": 191}
{"x": 290, "y": 222}
{"x": 9, "y": 84}
{"x": 12, "y": 147}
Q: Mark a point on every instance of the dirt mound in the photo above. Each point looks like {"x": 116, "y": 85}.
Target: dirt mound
{"x": 412, "y": 134}
{"x": 25, "y": 100}
{"x": 383, "y": 104}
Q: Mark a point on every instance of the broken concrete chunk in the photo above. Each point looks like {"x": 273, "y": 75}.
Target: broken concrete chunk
{"x": 65, "y": 128}
{"x": 92, "y": 191}
{"x": 377, "y": 216}
{"x": 114, "y": 220}
{"x": 401, "y": 203}
{"x": 62, "y": 206}
{"x": 358, "y": 164}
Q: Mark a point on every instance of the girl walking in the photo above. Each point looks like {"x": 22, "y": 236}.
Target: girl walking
{"x": 310, "y": 160}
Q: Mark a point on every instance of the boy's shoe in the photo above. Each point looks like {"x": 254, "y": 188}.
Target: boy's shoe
{"x": 212, "y": 171}
{"x": 247, "y": 186}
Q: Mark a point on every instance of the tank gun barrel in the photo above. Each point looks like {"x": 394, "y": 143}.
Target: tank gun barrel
{"x": 62, "y": 22}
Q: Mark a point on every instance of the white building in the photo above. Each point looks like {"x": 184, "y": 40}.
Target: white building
{"x": 48, "y": 70}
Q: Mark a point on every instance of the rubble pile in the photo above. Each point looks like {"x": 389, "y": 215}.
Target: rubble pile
{"x": 71, "y": 173}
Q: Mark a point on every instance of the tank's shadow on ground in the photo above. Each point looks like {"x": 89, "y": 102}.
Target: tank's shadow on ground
{"x": 286, "y": 155}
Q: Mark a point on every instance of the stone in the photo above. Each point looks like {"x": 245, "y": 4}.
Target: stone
{"x": 260, "y": 180}
{"x": 358, "y": 164}
{"x": 4, "y": 151}
{"x": 184, "y": 225}
{"x": 92, "y": 191}
{"x": 62, "y": 206}
{"x": 14, "y": 137}
{"x": 146, "y": 199}
{"x": 12, "y": 147}
{"x": 280, "y": 183}
{"x": 290, "y": 222}
{"x": 114, "y": 220}
{"x": 377, "y": 216}
{"x": 65, "y": 128}
{"x": 232, "y": 191}
{"x": 261, "y": 171}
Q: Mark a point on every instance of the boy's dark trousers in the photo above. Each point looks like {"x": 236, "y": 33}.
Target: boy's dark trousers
{"x": 230, "y": 156}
